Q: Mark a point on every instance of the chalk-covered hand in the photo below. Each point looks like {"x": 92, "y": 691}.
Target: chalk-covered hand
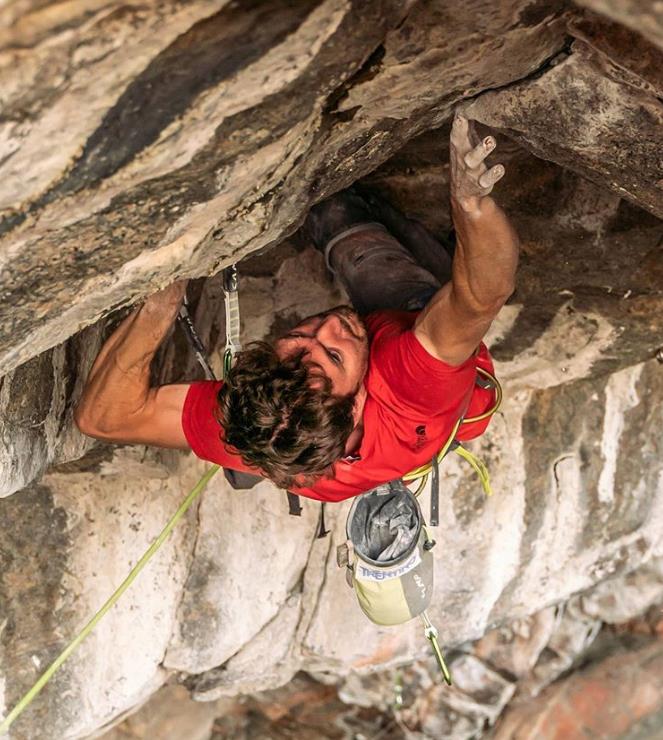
{"x": 166, "y": 303}
{"x": 471, "y": 180}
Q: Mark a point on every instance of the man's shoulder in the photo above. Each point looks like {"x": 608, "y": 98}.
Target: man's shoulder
{"x": 389, "y": 320}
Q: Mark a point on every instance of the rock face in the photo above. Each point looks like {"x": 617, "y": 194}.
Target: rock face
{"x": 141, "y": 143}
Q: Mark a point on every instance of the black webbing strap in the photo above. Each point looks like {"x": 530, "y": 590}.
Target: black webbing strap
{"x": 435, "y": 493}
{"x": 294, "y": 504}
{"x": 241, "y": 481}
{"x": 435, "y": 486}
{"x": 322, "y": 530}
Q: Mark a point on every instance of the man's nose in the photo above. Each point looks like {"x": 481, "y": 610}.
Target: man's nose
{"x": 312, "y": 348}
{"x": 330, "y": 328}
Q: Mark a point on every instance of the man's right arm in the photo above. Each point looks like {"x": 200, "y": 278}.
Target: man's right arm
{"x": 486, "y": 257}
{"x": 118, "y": 404}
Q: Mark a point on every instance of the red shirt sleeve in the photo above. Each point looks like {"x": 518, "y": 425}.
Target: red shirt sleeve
{"x": 201, "y": 428}
{"x": 406, "y": 378}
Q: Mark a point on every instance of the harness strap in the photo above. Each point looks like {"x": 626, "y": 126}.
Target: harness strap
{"x": 294, "y": 504}
{"x": 322, "y": 530}
{"x": 485, "y": 379}
{"x": 435, "y": 492}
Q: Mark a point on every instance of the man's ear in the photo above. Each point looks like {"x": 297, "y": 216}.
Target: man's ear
{"x": 358, "y": 406}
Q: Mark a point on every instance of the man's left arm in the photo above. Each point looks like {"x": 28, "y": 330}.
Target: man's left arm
{"x": 486, "y": 257}
{"x": 118, "y": 404}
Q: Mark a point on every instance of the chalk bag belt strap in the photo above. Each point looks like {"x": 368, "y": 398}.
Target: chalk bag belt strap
{"x": 435, "y": 492}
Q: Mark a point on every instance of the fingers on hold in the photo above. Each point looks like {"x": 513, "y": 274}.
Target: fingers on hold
{"x": 459, "y": 119}
{"x": 471, "y": 158}
{"x": 475, "y": 157}
{"x": 460, "y": 125}
{"x": 491, "y": 176}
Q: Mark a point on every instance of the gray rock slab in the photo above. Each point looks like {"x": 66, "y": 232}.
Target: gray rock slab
{"x": 618, "y": 600}
{"x": 643, "y": 17}
{"x": 36, "y": 408}
{"x": 609, "y": 119}
{"x": 170, "y": 714}
{"x": 249, "y": 559}
{"x": 164, "y": 175}
{"x": 78, "y": 535}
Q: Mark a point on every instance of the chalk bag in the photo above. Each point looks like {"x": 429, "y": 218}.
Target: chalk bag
{"x": 387, "y": 554}
{"x": 388, "y": 560}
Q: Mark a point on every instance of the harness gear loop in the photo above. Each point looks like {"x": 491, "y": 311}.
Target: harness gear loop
{"x": 495, "y": 383}
{"x": 421, "y": 473}
{"x": 424, "y": 470}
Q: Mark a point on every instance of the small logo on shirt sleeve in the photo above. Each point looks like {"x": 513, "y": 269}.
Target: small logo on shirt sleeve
{"x": 421, "y": 436}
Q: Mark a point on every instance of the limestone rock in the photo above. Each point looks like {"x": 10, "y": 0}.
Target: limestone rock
{"x": 144, "y": 142}
{"x": 172, "y": 715}
{"x": 643, "y": 17}
{"x": 36, "y": 404}
{"x": 200, "y": 142}
{"x": 245, "y": 569}
{"x": 625, "y": 688}
{"x": 618, "y": 600}
{"x": 613, "y": 147}
{"x": 515, "y": 648}
{"x": 67, "y": 543}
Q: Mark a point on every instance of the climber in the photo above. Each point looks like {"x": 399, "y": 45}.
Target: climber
{"x": 352, "y": 397}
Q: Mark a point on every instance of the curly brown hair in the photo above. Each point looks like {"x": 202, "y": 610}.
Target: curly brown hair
{"x": 277, "y": 422}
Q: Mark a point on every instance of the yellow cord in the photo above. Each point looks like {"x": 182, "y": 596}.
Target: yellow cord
{"x": 498, "y": 397}
{"x": 69, "y": 649}
{"x": 421, "y": 473}
{"x": 425, "y": 469}
{"x": 479, "y": 467}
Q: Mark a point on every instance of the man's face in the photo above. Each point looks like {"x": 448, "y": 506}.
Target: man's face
{"x": 335, "y": 345}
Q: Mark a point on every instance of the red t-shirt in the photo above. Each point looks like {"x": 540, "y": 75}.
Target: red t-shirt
{"x": 413, "y": 401}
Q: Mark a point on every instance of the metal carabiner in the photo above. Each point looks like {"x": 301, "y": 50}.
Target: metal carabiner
{"x": 431, "y": 635}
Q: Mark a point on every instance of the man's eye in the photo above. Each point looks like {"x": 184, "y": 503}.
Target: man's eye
{"x": 335, "y": 356}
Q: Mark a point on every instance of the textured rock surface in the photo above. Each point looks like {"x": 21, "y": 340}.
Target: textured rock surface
{"x": 139, "y": 143}
{"x": 644, "y": 17}
{"x": 66, "y": 543}
{"x": 614, "y": 147}
{"x": 199, "y": 142}
{"x": 618, "y": 673}
{"x": 36, "y": 402}
{"x": 627, "y": 687}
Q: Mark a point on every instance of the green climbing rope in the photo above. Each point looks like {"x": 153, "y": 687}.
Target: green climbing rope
{"x": 48, "y": 673}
